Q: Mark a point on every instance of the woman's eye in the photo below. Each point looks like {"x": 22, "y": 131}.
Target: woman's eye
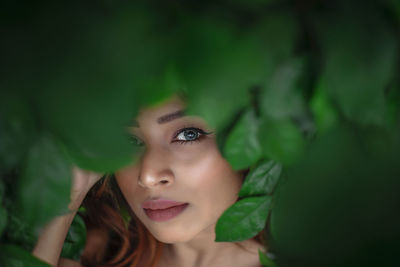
{"x": 135, "y": 141}
{"x": 189, "y": 135}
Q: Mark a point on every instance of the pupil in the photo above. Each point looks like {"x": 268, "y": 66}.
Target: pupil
{"x": 190, "y": 134}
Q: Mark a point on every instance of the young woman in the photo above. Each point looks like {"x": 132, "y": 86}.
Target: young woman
{"x": 174, "y": 194}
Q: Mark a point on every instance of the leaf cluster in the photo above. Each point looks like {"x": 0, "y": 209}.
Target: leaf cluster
{"x": 303, "y": 94}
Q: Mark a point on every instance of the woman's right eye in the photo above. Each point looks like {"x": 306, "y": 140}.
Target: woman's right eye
{"x": 135, "y": 141}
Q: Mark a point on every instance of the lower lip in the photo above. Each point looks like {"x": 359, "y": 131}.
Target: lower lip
{"x": 165, "y": 214}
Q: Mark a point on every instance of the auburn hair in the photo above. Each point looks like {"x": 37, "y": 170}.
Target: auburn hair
{"x": 125, "y": 241}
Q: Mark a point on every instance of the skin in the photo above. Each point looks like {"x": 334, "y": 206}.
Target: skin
{"x": 191, "y": 172}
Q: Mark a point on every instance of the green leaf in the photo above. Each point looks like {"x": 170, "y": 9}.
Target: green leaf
{"x": 394, "y": 7}
{"x": 18, "y": 232}
{"x": 214, "y": 68}
{"x": 43, "y": 190}
{"x": 329, "y": 197}
{"x": 252, "y": 4}
{"x": 91, "y": 93}
{"x": 2, "y": 190}
{"x": 326, "y": 116}
{"x": 243, "y": 220}
{"x": 221, "y": 63}
{"x": 360, "y": 58}
{"x": 13, "y": 256}
{"x": 3, "y": 219}
{"x": 281, "y": 140}
{"x": 75, "y": 240}
{"x": 161, "y": 87}
{"x": 242, "y": 148}
{"x": 282, "y": 96}
{"x": 3, "y": 211}
{"x": 262, "y": 179}
{"x": 393, "y": 104}
{"x": 265, "y": 260}
{"x": 92, "y": 123}
{"x": 17, "y": 128}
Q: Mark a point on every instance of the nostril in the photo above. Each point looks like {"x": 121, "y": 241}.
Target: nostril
{"x": 164, "y": 181}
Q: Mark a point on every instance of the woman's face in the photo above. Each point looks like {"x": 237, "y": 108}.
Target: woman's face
{"x": 181, "y": 185}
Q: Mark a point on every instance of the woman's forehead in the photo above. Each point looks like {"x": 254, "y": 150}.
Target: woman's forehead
{"x": 165, "y": 111}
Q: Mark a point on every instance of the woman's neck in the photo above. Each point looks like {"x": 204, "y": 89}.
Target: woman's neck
{"x": 204, "y": 251}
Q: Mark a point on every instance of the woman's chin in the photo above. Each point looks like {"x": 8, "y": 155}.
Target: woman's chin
{"x": 172, "y": 237}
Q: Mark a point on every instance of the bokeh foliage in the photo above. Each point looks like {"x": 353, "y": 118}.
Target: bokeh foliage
{"x": 303, "y": 93}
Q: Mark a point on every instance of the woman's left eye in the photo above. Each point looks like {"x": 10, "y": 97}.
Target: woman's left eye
{"x": 135, "y": 141}
{"x": 189, "y": 135}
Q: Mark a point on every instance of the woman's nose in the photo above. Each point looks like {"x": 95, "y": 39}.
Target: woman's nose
{"x": 155, "y": 169}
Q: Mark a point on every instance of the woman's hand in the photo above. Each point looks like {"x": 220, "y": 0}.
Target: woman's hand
{"x": 82, "y": 181}
{"x": 51, "y": 239}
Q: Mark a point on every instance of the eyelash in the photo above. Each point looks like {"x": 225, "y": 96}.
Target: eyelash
{"x": 201, "y": 133}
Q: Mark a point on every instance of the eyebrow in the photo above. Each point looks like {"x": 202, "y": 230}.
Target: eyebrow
{"x": 171, "y": 116}
{"x": 166, "y": 118}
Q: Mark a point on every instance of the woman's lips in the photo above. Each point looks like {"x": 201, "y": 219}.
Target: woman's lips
{"x": 162, "y": 209}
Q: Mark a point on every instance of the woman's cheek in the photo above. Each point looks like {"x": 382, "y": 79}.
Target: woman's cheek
{"x": 187, "y": 153}
{"x": 208, "y": 175}
{"x": 127, "y": 181}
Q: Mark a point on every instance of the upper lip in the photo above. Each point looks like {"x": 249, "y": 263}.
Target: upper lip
{"x": 160, "y": 203}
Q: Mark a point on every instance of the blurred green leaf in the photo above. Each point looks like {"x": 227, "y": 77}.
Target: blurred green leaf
{"x": 325, "y": 115}
{"x": 213, "y": 65}
{"x": 339, "y": 190}
{"x": 282, "y": 96}
{"x": 243, "y": 220}
{"x": 91, "y": 75}
{"x": 393, "y": 104}
{"x": 262, "y": 179}
{"x": 92, "y": 124}
{"x": 281, "y": 140}
{"x": 3, "y": 219}
{"x": 394, "y": 7}
{"x": 3, "y": 211}
{"x": 93, "y": 90}
{"x": 17, "y": 128}
{"x": 252, "y": 3}
{"x": 277, "y": 34}
{"x": 43, "y": 189}
{"x": 265, "y": 260}
{"x": 18, "y": 232}
{"x": 13, "y": 256}
{"x": 75, "y": 240}
{"x": 162, "y": 87}
{"x": 360, "y": 56}
{"x": 242, "y": 148}
{"x": 2, "y": 191}
{"x": 221, "y": 63}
